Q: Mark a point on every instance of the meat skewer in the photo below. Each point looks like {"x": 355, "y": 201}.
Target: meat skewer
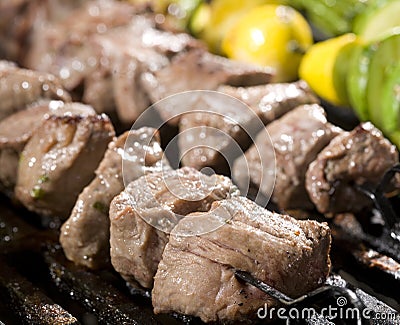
{"x": 196, "y": 277}
{"x": 317, "y": 164}
{"x": 311, "y": 298}
{"x": 313, "y": 236}
{"x": 148, "y": 209}
{"x": 224, "y": 127}
{"x": 296, "y": 139}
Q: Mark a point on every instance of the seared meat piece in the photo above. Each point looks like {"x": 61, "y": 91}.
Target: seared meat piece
{"x": 271, "y": 101}
{"x": 15, "y": 132}
{"x": 195, "y": 275}
{"x": 15, "y": 22}
{"x": 297, "y": 138}
{"x": 19, "y": 17}
{"x": 126, "y": 53}
{"x": 59, "y": 161}
{"x": 146, "y": 211}
{"x": 199, "y": 69}
{"x": 216, "y": 137}
{"x": 62, "y": 48}
{"x": 353, "y": 158}
{"x": 21, "y": 87}
{"x": 17, "y": 129}
{"x": 85, "y": 236}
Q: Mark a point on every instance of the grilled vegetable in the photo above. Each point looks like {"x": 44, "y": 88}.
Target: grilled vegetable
{"x": 377, "y": 19}
{"x": 391, "y": 100}
{"x": 385, "y": 58}
{"x": 333, "y": 18}
{"x": 357, "y": 80}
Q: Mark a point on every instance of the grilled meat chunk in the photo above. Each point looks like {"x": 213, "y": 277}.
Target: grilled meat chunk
{"x": 19, "y": 19}
{"x": 297, "y": 138}
{"x": 61, "y": 48}
{"x": 198, "y": 69}
{"x": 59, "y": 161}
{"x": 353, "y": 158}
{"x": 147, "y": 210}
{"x": 271, "y": 101}
{"x": 126, "y": 53}
{"x": 217, "y": 136}
{"x": 195, "y": 275}
{"x": 85, "y": 236}
{"x": 22, "y": 87}
{"x": 17, "y": 129}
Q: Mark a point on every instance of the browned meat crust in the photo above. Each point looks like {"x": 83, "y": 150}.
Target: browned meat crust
{"x": 353, "y": 158}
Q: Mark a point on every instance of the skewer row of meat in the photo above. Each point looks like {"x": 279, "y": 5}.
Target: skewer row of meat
{"x": 137, "y": 248}
{"x": 178, "y": 231}
{"x": 56, "y": 161}
{"x": 317, "y": 164}
{"x": 117, "y": 58}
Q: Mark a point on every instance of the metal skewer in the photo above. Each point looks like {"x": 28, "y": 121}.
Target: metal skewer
{"x": 315, "y": 297}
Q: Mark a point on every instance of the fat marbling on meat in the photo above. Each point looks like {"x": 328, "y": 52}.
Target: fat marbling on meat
{"x": 352, "y": 159}
{"x": 85, "y": 236}
{"x": 296, "y": 140}
{"x": 21, "y": 87}
{"x": 195, "y": 275}
{"x": 17, "y": 129}
{"x": 59, "y": 161}
{"x": 147, "y": 210}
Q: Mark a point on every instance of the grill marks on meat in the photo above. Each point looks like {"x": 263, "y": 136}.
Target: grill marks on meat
{"x": 353, "y": 158}
{"x": 85, "y": 236}
{"x": 59, "y": 161}
{"x": 195, "y": 275}
{"x": 22, "y": 87}
{"x": 17, "y": 129}
{"x": 297, "y": 138}
{"x": 148, "y": 209}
